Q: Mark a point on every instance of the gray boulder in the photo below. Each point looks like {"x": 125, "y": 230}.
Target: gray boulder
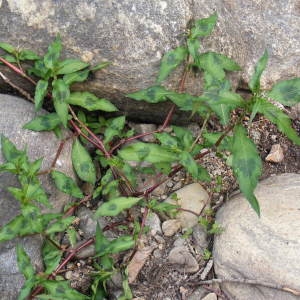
{"x": 264, "y": 249}
{"x": 134, "y": 35}
{"x": 14, "y": 113}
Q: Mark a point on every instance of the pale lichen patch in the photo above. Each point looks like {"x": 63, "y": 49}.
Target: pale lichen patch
{"x": 86, "y": 11}
{"x": 34, "y": 13}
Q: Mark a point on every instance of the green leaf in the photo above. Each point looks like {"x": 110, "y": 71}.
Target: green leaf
{"x": 26, "y": 288}
{"x": 170, "y": 61}
{"x": 212, "y": 137}
{"x": 9, "y": 150}
{"x": 8, "y": 58}
{"x": 24, "y": 263}
{"x": 120, "y": 244}
{"x": 101, "y": 242}
{"x": 278, "y": 117}
{"x": 222, "y": 102}
{"x": 79, "y": 76}
{"x": 184, "y": 101}
{"x": 8, "y": 48}
{"x": 66, "y": 184}
{"x": 82, "y": 163}
{"x": 167, "y": 140}
{"x": 60, "y": 225}
{"x": 28, "y": 55}
{"x": 114, "y": 128}
{"x": 61, "y": 109}
{"x": 286, "y": 92}
{"x": 152, "y": 153}
{"x": 72, "y": 235}
{"x": 62, "y": 290}
{"x": 70, "y": 65}
{"x": 51, "y": 256}
{"x": 254, "y": 83}
{"x": 193, "y": 47}
{"x": 184, "y": 136}
{"x": 90, "y": 102}
{"x": 61, "y": 90}
{"x": 193, "y": 168}
{"x": 40, "y": 70}
{"x": 44, "y": 123}
{"x": 53, "y": 53}
{"x": 153, "y": 94}
{"x": 204, "y": 27}
{"x": 100, "y": 66}
{"x": 246, "y": 164}
{"x": 215, "y": 64}
{"x": 11, "y": 229}
{"x": 115, "y": 206}
{"x": 40, "y": 93}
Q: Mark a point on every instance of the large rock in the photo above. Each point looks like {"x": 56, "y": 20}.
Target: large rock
{"x": 14, "y": 113}
{"x": 134, "y": 35}
{"x": 264, "y": 249}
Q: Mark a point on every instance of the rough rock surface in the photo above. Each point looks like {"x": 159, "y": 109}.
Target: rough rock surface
{"x": 264, "y": 249}
{"x": 14, "y": 113}
{"x": 134, "y": 35}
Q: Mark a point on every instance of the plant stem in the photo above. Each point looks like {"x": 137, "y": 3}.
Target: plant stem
{"x": 17, "y": 70}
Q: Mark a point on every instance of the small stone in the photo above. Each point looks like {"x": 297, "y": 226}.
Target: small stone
{"x": 181, "y": 257}
{"x": 192, "y": 197}
{"x": 68, "y": 275}
{"x": 276, "y": 154}
{"x": 86, "y": 251}
{"x": 138, "y": 261}
{"x": 210, "y": 296}
{"x": 153, "y": 222}
{"x": 170, "y": 227}
{"x": 200, "y": 238}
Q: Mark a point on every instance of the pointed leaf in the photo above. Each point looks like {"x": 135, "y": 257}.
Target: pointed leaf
{"x": 43, "y": 123}
{"x": 79, "y": 76}
{"x": 24, "y": 263}
{"x": 7, "y": 47}
{"x": 152, "y": 153}
{"x": 204, "y": 27}
{"x": 286, "y": 92}
{"x": 70, "y": 65}
{"x": 28, "y": 55}
{"x": 90, "y": 102}
{"x": 66, "y": 184}
{"x": 193, "y": 168}
{"x": 170, "y": 61}
{"x": 9, "y": 58}
{"x": 115, "y": 206}
{"x": 153, "y": 94}
{"x": 26, "y": 289}
{"x": 167, "y": 140}
{"x": 61, "y": 109}
{"x": 60, "y": 225}
{"x": 9, "y": 150}
{"x": 184, "y": 101}
{"x": 51, "y": 256}
{"x": 40, "y": 93}
{"x": 53, "y": 53}
{"x": 62, "y": 290}
{"x": 61, "y": 90}
{"x": 193, "y": 47}
{"x": 120, "y": 244}
{"x": 100, "y": 66}
{"x": 82, "y": 163}
{"x": 254, "y": 83}
{"x": 246, "y": 164}
{"x": 101, "y": 242}
{"x": 278, "y": 117}
{"x": 115, "y": 128}
{"x": 215, "y": 64}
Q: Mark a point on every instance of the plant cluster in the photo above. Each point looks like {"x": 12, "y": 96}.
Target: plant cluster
{"x": 171, "y": 152}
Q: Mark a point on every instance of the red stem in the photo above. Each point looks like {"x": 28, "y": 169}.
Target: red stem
{"x": 17, "y": 70}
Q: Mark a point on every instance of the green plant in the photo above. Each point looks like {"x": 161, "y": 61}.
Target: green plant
{"x": 170, "y": 153}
